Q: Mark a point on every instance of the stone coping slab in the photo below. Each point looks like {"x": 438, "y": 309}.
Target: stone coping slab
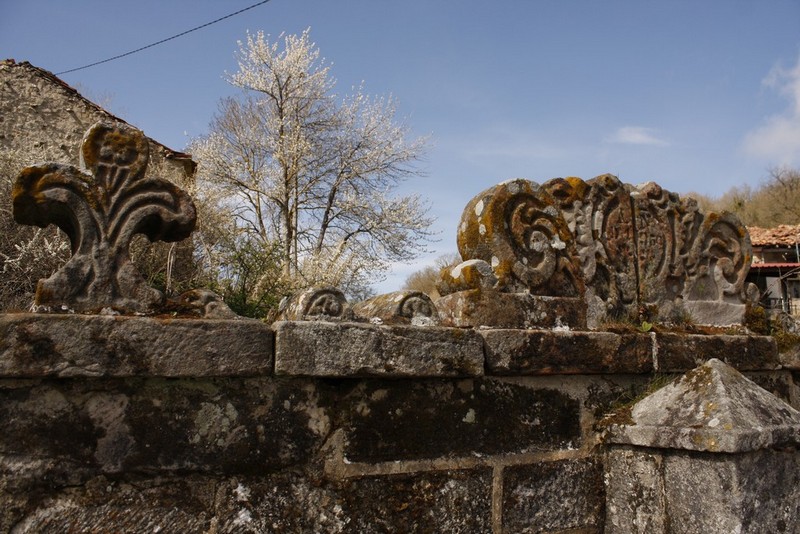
{"x": 68, "y": 345}
{"x": 543, "y": 352}
{"x": 682, "y": 352}
{"x": 550, "y": 352}
{"x": 319, "y": 348}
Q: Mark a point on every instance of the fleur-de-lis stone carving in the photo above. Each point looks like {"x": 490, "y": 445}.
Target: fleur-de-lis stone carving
{"x": 101, "y": 212}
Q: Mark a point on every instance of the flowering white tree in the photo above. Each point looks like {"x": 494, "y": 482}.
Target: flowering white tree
{"x": 312, "y": 175}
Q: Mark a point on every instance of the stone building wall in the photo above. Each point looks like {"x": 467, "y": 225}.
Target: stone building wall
{"x": 44, "y": 118}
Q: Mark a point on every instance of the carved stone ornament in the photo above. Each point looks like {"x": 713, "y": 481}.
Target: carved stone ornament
{"x": 316, "y": 303}
{"x": 101, "y": 211}
{"x": 618, "y": 247}
{"x": 399, "y": 307}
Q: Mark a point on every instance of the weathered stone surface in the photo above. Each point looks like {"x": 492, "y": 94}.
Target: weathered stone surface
{"x": 749, "y": 493}
{"x": 104, "y": 505}
{"x": 451, "y": 501}
{"x": 430, "y": 419}
{"x": 101, "y": 212}
{"x": 520, "y": 352}
{"x": 470, "y": 274}
{"x": 45, "y": 118}
{"x": 682, "y": 352}
{"x": 635, "y": 498}
{"x": 779, "y": 383}
{"x": 560, "y": 496}
{"x": 399, "y": 307}
{"x": 59, "y": 433}
{"x": 316, "y": 303}
{"x": 671, "y": 492}
{"x": 320, "y": 348}
{"x": 711, "y": 408}
{"x": 39, "y": 345}
{"x": 479, "y": 307}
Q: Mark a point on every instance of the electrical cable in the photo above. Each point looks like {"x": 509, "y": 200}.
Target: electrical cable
{"x": 162, "y": 40}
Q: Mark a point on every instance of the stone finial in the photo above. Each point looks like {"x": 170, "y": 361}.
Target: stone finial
{"x": 101, "y": 212}
{"x": 617, "y": 247}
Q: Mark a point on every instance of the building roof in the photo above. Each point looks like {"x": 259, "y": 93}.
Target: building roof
{"x": 774, "y": 265}
{"x": 784, "y": 235}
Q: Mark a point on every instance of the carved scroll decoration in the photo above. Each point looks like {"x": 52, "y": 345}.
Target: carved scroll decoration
{"x": 326, "y": 303}
{"x": 101, "y": 212}
{"x": 600, "y": 215}
{"x": 330, "y": 302}
{"x": 398, "y": 307}
{"x": 518, "y": 230}
{"x": 622, "y": 248}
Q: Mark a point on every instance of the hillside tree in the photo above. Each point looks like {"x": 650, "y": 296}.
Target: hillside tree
{"x": 426, "y": 278}
{"x": 308, "y": 178}
{"x": 776, "y": 200}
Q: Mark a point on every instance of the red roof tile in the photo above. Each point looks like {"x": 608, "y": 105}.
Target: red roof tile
{"x": 784, "y": 235}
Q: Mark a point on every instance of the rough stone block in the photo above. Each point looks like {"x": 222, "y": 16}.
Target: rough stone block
{"x": 779, "y": 383}
{"x": 455, "y": 418}
{"x": 682, "y": 352}
{"x": 746, "y": 493}
{"x": 714, "y": 312}
{"x": 399, "y": 307}
{"x": 44, "y": 345}
{"x": 634, "y": 492}
{"x": 560, "y": 496}
{"x": 54, "y": 432}
{"x": 450, "y": 501}
{"x": 548, "y": 352}
{"x": 317, "y": 348}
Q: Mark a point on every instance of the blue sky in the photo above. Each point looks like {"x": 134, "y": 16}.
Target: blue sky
{"x": 695, "y": 95}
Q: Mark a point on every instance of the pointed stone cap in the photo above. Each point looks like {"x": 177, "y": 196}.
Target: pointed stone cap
{"x": 711, "y": 408}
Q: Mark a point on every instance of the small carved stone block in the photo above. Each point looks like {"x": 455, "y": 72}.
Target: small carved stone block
{"x": 101, "y": 212}
{"x": 399, "y": 307}
{"x": 316, "y": 303}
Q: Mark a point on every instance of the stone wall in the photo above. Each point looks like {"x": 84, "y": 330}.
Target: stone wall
{"x": 124, "y": 410}
{"x": 168, "y": 424}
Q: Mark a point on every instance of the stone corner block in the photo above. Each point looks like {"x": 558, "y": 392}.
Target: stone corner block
{"x": 318, "y": 348}
{"x": 712, "y": 408}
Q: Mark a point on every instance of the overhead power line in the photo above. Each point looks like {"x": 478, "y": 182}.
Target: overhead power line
{"x": 151, "y": 45}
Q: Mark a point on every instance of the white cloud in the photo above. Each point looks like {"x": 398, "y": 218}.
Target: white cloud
{"x": 636, "y": 135}
{"x": 778, "y": 139}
